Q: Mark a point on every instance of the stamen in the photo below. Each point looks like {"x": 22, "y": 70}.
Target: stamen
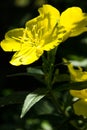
{"x": 33, "y": 38}
{"x": 15, "y": 38}
{"x": 56, "y": 26}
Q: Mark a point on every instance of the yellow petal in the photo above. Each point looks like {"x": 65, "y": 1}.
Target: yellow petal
{"x": 79, "y": 93}
{"x": 70, "y": 17}
{"x": 78, "y": 31}
{"x": 79, "y": 28}
{"x": 54, "y": 38}
{"x": 47, "y": 19}
{"x": 10, "y": 45}
{"x": 80, "y": 107}
{"x": 76, "y": 75}
{"x": 50, "y": 45}
{"x": 26, "y": 55}
{"x": 51, "y": 12}
{"x": 72, "y": 71}
{"x": 11, "y": 42}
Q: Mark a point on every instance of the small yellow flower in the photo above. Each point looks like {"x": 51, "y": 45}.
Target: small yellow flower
{"x": 79, "y": 93}
{"x": 43, "y": 33}
{"x": 80, "y": 106}
{"x": 76, "y": 75}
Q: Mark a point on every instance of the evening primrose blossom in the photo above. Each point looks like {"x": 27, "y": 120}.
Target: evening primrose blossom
{"x": 38, "y": 35}
{"x": 43, "y": 33}
{"x": 76, "y": 75}
{"x": 80, "y": 106}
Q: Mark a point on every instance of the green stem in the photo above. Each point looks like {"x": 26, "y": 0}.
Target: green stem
{"x": 48, "y": 67}
{"x": 56, "y": 104}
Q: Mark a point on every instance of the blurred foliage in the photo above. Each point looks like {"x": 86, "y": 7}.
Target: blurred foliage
{"x": 17, "y": 82}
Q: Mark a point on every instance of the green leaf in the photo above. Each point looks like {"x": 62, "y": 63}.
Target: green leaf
{"x": 68, "y": 86}
{"x": 31, "y": 99}
{"x": 32, "y": 70}
{"x": 37, "y": 73}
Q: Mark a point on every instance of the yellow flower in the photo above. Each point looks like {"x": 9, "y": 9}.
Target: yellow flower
{"x": 79, "y": 93}
{"x": 76, "y": 75}
{"x": 80, "y": 106}
{"x": 43, "y": 33}
{"x": 38, "y": 35}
